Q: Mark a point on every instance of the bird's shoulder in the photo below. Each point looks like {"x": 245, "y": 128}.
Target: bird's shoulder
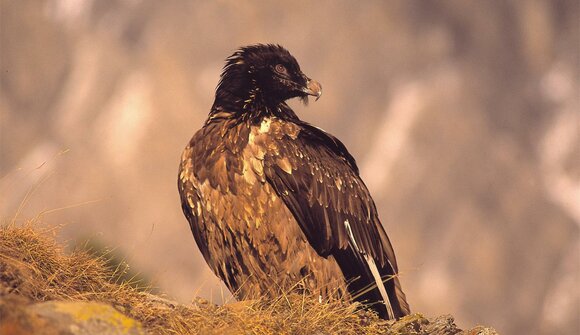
{"x": 298, "y": 145}
{"x": 225, "y": 146}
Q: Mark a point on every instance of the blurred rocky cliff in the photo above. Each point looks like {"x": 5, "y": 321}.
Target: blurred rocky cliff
{"x": 463, "y": 116}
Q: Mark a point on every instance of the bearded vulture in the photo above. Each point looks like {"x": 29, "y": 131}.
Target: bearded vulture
{"x": 276, "y": 204}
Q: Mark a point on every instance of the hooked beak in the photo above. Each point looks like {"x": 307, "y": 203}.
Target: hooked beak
{"x": 313, "y": 88}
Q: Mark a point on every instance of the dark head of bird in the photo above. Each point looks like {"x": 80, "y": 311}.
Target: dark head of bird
{"x": 259, "y": 77}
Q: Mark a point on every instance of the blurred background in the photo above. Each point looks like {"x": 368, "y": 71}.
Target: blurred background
{"x": 463, "y": 116}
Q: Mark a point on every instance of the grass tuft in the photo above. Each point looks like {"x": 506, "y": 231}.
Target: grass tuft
{"x": 33, "y": 265}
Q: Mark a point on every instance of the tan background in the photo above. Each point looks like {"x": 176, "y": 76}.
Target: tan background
{"x": 464, "y": 117}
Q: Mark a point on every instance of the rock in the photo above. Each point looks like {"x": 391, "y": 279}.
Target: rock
{"x": 417, "y": 324}
{"x": 18, "y": 317}
{"x": 480, "y": 330}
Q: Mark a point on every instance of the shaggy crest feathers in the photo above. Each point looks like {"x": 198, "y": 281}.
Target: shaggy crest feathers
{"x": 248, "y": 81}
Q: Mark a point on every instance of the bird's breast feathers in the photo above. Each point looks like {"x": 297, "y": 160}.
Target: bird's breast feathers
{"x": 226, "y": 169}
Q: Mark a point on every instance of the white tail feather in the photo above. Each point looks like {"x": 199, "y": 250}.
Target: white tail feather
{"x": 380, "y": 285}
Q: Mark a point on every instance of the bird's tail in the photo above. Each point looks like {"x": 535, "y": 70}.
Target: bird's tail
{"x": 400, "y": 297}
{"x": 377, "y": 287}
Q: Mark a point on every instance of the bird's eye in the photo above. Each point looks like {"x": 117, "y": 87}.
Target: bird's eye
{"x": 281, "y": 69}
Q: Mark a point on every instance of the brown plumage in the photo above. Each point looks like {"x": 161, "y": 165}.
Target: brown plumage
{"x": 276, "y": 204}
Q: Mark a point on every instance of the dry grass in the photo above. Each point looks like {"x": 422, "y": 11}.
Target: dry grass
{"x": 34, "y": 266}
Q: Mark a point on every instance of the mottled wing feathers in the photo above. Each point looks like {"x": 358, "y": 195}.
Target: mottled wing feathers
{"x": 191, "y": 200}
{"x": 318, "y": 180}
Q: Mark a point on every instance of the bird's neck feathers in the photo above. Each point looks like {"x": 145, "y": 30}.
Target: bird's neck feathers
{"x": 238, "y": 96}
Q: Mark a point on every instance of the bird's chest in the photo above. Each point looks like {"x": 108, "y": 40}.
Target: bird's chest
{"x": 232, "y": 179}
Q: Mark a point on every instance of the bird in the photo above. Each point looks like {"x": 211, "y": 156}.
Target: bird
{"x": 276, "y": 204}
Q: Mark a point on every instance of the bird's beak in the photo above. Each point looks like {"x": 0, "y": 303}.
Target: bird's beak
{"x": 313, "y": 88}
